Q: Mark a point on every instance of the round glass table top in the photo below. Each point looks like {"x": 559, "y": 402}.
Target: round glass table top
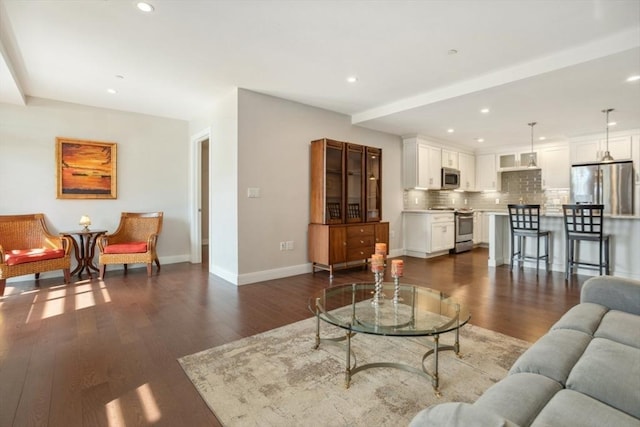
{"x": 408, "y": 311}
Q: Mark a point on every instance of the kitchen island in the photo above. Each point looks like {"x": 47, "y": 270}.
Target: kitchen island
{"x": 624, "y": 247}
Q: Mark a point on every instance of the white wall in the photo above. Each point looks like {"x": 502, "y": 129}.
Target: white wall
{"x": 223, "y": 178}
{"x": 152, "y": 167}
{"x": 273, "y": 154}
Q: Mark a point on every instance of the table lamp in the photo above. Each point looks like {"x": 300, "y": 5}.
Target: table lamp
{"x": 85, "y": 221}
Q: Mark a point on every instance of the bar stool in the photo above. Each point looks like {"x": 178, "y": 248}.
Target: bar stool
{"x": 584, "y": 222}
{"x": 525, "y": 222}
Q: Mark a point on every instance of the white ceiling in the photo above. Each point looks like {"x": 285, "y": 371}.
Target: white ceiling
{"x": 557, "y": 62}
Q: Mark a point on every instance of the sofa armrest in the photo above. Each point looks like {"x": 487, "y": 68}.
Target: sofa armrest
{"x": 452, "y": 414}
{"x": 616, "y": 293}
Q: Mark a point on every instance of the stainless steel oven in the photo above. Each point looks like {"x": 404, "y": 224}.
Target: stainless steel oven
{"x": 464, "y": 230}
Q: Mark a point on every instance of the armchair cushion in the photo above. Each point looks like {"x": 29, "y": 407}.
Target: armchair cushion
{"x": 126, "y": 248}
{"x": 21, "y": 256}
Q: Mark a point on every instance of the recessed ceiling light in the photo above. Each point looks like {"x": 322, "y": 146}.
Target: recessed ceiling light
{"x": 484, "y": 111}
{"x": 542, "y": 138}
{"x": 119, "y": 76}
{"x": 612, "y": 123}
{"x": 352, "y": 79}
{"x": 480, "y": 139}
{"x": 145, "y": 7}
{"x": 452, "y": 51}
{"x": 450, "y": 130}
{"x": 112, "y": 91}
{"x": 634, "y": 78}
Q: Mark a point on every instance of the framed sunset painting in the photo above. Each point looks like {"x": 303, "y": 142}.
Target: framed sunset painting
{"x": 85, "y": 169}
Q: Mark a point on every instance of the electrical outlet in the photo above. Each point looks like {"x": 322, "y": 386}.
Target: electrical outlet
{"x": 465, "y": 201}
{"x": 289, "y": 245}
{"x": 497, "y": 201}
{"x": 283, "y": 246}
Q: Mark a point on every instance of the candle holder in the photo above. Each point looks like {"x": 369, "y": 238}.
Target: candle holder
{"x": 396, "y": 290}
{"x": 378, "y": 296}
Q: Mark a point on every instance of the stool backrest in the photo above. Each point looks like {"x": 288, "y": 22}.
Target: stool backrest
{"x": 524, "y": 217}
{"x": 583, "y": 219}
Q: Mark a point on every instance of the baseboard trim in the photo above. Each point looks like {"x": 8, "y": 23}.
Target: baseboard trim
{"x": 276, "y": 273}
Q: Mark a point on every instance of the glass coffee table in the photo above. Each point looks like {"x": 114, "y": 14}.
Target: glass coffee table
{"x": 399, "y": 310}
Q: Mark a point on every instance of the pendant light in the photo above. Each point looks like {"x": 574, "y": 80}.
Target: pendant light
{"x": 532, "y": 157}
{"x": 607, "y": 156}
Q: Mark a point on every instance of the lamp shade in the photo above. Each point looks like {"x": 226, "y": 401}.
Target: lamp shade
{"x": 85, "y": 221}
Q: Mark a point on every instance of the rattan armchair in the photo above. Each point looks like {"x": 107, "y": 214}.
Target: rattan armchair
{"x": 134, "y": 242}
{"x": 27, "y": 247}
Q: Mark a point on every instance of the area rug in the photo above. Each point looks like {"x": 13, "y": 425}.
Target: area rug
{"x": 277, "y": 378}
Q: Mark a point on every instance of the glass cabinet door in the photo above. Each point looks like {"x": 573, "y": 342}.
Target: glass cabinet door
{"x": 373, "y": 184}
{"x": 334, "y": 184}
{"x": 354, "y": 176}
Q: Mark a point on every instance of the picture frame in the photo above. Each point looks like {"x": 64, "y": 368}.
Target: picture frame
{"x": 86, "y": 169}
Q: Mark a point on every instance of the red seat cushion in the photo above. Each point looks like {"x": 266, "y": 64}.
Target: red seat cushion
{"x": 126, "y": 248}
{"x": 21, "y": 256}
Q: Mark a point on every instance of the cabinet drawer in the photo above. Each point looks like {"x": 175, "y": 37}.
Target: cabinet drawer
{"x": 360, "y": 230}
{"x": 364, "y": 241}
{"x": 354, "y": 254}
{"x": 438, "y": 218}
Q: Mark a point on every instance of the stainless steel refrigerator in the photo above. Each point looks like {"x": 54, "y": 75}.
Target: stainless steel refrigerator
{"x": 609, "y": 184}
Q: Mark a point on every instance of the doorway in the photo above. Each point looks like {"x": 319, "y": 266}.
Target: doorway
{"x": 200, "y": 253}
{"x": 204, "y": 201}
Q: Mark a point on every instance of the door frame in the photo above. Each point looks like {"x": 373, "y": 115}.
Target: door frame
{"x": 196, "y": 193}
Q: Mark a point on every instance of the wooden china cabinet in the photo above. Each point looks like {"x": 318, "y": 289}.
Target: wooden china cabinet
{"x": 345, "y": 204}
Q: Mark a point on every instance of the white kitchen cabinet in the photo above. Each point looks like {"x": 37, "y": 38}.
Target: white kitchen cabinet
{"x": 442, "y": 232}
{"x": 620, "y": 147}
{"x": 426, "y": 233}
{"x": 477, "y": 227}
{"x": 450, "y": 159}
{"x": 555, "y": 165}
{"x": 519, "y": 159}
{"x": 467, "y": 166}
{"x": 480, "y": 228}
{"x": 415, "y": 232}
{"x": 421, "y": 165}
{"x": 486, "y": 173}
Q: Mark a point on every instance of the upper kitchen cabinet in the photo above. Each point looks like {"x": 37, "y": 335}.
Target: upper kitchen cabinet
{"x": 467, "y": 165}
{"x": 555, "y": 167}
{"x": 373, "y": 183}
{"x": 486, "y": 172}
{"x": 327, "y": 182}
{"x": 346, "y": 183}
{"x": 450, "y": 159}
{"x": 421, "y": 165}
{"x": 620, "y": 147}
{"x": 516, "y": 160}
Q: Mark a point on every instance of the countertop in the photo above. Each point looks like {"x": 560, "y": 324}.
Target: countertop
{"x": 504, "y": 212}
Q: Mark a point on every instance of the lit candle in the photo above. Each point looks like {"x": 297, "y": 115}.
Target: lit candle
{"x": 377, "y": 263}
{"x": 381, "y": 249}
{"x": 397, "y": 267}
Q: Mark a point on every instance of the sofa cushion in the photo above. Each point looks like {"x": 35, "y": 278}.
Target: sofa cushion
{"x": 609, "y": 372}
{"x": 126, "y": 248}
{"x": 620, "y": 327}
{"x": 570, "y": 408}
{"x": 458, "y": 414}
{"x": 582, "y": 317}
{"x": 519, "y": 397}
{"x": 21, "y": 256}
{"x": 553, "y": 355}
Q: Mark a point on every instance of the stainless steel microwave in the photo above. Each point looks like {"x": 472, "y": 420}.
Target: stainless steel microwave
{"x": 450, "y": 179}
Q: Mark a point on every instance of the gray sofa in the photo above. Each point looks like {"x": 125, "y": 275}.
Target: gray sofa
{"x": 584, "y": 372}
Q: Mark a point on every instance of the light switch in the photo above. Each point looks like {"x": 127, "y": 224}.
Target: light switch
{"x": 253, "y": 192}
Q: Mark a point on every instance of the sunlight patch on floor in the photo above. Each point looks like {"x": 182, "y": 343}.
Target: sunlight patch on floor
{"x": 149, "y": 405}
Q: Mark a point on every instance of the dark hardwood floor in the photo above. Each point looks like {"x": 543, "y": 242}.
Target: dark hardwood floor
{"x": 104, "y": 353}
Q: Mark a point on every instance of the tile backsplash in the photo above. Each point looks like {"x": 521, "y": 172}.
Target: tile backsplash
{"x": 516, "y": 187}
